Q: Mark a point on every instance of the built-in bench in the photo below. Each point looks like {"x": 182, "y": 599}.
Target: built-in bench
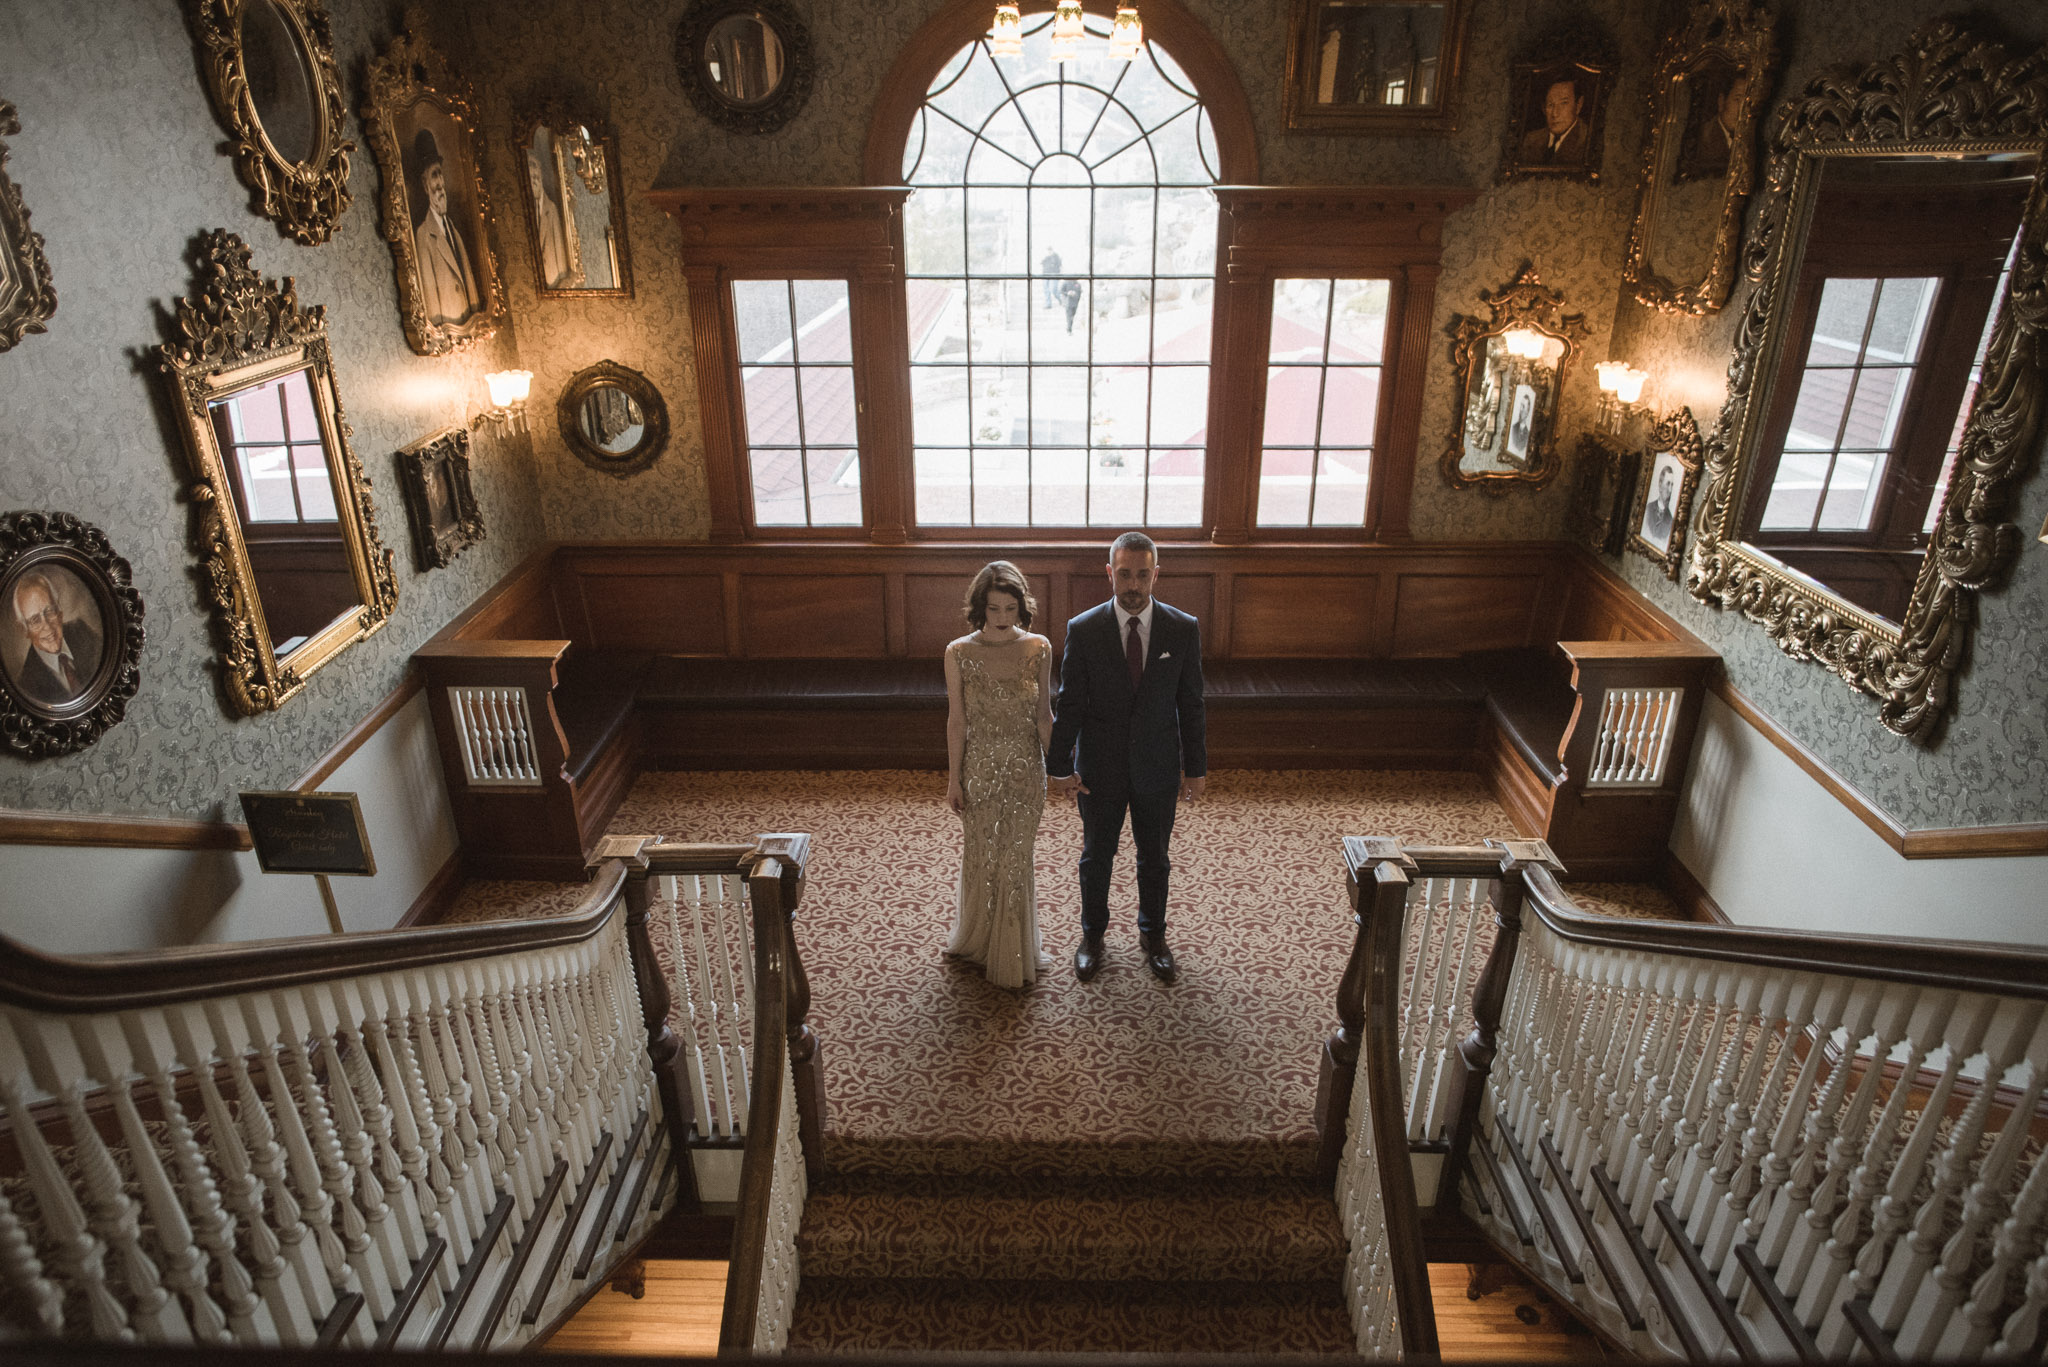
{"x": 589, "y": 664}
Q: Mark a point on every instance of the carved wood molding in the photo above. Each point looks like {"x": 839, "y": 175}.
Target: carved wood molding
{"x": 1947, "y": 91}
{"x": 305, "y": 199}
{"x": 29, "y": 305}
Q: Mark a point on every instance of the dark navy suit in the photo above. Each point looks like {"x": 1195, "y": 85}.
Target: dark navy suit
{"x": 1132, "y": 749}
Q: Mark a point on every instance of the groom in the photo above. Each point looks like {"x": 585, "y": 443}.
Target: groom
{"x": 1131, "y": 694}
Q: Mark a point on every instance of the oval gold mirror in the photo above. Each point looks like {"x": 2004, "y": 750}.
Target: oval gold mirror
{"x": 613, "y": 418}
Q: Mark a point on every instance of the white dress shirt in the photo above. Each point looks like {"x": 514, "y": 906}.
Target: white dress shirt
{"x": 1144, "y": 621}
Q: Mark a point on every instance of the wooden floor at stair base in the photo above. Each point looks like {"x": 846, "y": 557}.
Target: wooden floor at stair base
{"x": 679, "y": 1317}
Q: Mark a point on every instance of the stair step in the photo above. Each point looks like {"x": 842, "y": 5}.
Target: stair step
{"x": 855, "y": 1315}
{"x": 1079, "y": 1229}
{"x": 911, "y": 1156}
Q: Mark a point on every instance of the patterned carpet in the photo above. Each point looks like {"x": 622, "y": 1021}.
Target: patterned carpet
{"x": 1111, "y": 1166}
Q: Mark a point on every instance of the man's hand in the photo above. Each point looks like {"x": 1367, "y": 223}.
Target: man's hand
{"x": 1067, "y": 786}
{"x": 1191, "y": 788}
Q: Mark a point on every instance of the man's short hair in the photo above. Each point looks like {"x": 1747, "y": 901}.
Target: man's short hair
{"x": 1134, "y": 541}
{"x": 33, "y": 579}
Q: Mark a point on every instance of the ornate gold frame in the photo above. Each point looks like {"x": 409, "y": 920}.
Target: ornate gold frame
{"x": 600, "y": 175}
{"x": 305, "y": 199}
{"x": 1679, "y": 436}
{"x": 37, "y": 299}
{"x": 1949, "y": 91}
{"x": 1523, "y": 302}
{"x": 239, "y": 329}
{"x": 653, "y": 419}
{"x": 1304, "y": 115}
{"x": 412, "y": 71}
{"x": 1739, "y": 32}
{"x": 446, "y": 454}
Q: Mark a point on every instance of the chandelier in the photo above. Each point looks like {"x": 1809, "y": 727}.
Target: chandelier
{"x": 1126, "y": 34}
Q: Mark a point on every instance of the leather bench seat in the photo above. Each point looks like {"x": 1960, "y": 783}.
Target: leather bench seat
{"x": 1338, "y": 683}
{"x": 769, "y": 685}
{"x": 1530, "y": 697}
{"x": 595, "y": 692}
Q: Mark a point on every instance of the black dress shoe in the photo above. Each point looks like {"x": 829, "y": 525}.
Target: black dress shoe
{"x": 1088, "y": 958}
{"x": 1158, "y": 957}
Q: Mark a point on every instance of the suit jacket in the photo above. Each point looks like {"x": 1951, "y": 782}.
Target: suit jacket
{"x": 1571, "y": 149}
{"x": 448, "y": 285}
{"x": 1118, "y": 742}
{"x": 45, "y": 685}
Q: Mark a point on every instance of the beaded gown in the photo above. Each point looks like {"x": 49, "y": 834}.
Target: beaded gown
{"x": 1002, "y": 775}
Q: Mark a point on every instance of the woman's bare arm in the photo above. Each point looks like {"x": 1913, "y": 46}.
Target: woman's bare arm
{"x": 1044, "y": 693}
{"x": 956, "y": 731}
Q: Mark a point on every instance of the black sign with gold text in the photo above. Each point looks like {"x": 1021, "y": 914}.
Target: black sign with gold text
{"x": 308, "y": 833}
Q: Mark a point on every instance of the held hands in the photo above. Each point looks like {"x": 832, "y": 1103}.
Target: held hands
{"x": 1067, "y": 786}
{"x": 1191, "y": 788}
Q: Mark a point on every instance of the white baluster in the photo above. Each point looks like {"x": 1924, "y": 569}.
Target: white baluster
{"x": 80, "y": 1253}
{"x": 1970, "y": 1334}
{"x": 21, "y": 1272}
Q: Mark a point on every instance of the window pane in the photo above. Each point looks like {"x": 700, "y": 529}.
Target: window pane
{"x": 946, "y": 146}
{"x": 1005, "y": 152}
{"x": 1817, "y": 416}
{"x": 1001, "y": 396}
{"x": 941, "y": 480}
{"x": 1300, "y": 317}
{"x": 316, "y": 490}
{"x": 1001, "y": 488}
{"x": 1123, "y": 321}
{"x": 1293, "y": 393}
{"x": 1180, "y": 159}
{"x": 1180, "y": 405}
{"x": 1181, "y": 320}
{"x": 267, "y": 484}
{"x": 934, "y": 240}
{"x": 1283, "y": 488}
{"x": 1117, "y": 398}
{"x": 1795, "y": 493}
{"x": 771, "y": 405}
{"x": 1852, "y": 490}
{"x": 1059, "y": 488}
{"x": 1358, "y": 320}
{"x": 1118, "y": 496}
{"x": 1059, "y": 406}
{"x": 1901, "y": 319}
{"x": 829, "y": 413}
{"x": 970, "y": 89}
{"x": 1351, "y": 405}
{"x": 258, "y": 416}
{"x": 995, "y": 231}
{"x": 1079, "y": 108}
{"x": 835, "y": 488}
{"x": 996, "y": 317}
{"x": 1874, "y": 412}
{"x": 1839, "y": 325}
{"x": 1060, "y": 333}
{"x": 938, "y": 405}
{"x": 1340, "y": 488}
{"x": 761, "y": 317}
{"x": 1187, "y": 233}
{"x": 824, "y": 331}
{"x": 778, "y": 487}
{"x": 1177, "y": 477}
{"x": 938, "y": 320}
{"x": 1123, "y": 230}
{"x": 298, "y": 406}
{"x": 1115, "y": 132}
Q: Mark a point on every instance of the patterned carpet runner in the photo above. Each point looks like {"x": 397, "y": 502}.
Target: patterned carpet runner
{"x": 1113, "y": 1166}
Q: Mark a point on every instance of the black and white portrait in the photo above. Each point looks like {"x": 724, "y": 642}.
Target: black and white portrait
{"x": 444, "y": 226}
{"x": 1660, "y": 507}
{"x": 1521, "y": 422}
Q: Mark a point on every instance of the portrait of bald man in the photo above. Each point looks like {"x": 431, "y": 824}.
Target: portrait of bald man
{"x": 63, "y": 653}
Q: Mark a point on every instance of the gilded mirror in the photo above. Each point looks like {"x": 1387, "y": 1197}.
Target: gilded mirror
{"x": 1698, "y": 168}
{"x": 26, "y": 297}
{"x": 575, "y": 205}
{"x": 746, "y": 64}
{"x": 293, "y": 562}
{"x": 1885, "y": 393}
{"x": 1375, "y": 66}
{"x": 270, "y": 71}
{"x": 613, "y": 418}
{"x": 1511, "y": 370}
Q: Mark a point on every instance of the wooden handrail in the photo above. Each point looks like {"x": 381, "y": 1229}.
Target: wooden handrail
{"x": 751, "y": 1227}
{"x": 42, "y": 981}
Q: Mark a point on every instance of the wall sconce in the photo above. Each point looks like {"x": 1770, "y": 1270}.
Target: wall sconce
{"x": 509, "y": 389}
{"x": 1526, "y": 343}
{"x": 1006, "y": 35}
{"x": 1621, "y": 394}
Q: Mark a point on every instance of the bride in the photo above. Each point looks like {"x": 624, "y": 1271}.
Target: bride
{"x": 998, "y": 720}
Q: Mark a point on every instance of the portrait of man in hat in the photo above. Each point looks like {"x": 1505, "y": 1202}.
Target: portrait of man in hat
{"x": 449, "y": 292}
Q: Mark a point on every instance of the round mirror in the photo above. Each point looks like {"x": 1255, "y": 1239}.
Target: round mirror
{"x": 613, "y": 418}
{"x": 282, "y": 92}
{"x": 743, "y": 56}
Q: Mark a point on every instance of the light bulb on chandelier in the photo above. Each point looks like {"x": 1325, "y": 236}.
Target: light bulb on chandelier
{"x": 1067, "y": 30}
{"x": 1006, "y": 35}
{"x": 1126, "y": 35}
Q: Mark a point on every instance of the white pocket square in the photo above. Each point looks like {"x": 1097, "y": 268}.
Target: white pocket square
{"x": 1165, "y": 654}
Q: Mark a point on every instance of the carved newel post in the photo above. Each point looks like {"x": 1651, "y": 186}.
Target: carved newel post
{"x": 807, "y": 1069}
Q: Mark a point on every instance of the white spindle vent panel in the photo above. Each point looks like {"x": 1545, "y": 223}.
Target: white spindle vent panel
{"x": 496, "y": 732}
{"x": 1634, "y": 741}
{"x": 711, "y": 975}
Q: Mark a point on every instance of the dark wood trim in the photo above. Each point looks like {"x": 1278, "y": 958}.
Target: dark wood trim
{"x": 436, "y": 897}
{"x": 1552, "y": 1230}
{"x": 1653, "y": 1271}
{"x": 1690, "y": 894}
{"x": 960, "y": 22}
{"x": 515, "y": 1268}
{"x": 121, "y": 832}
{"x": 764, "y": 1112}
{"x": 324, "y": 767}
{"x": 1583, "y": 1218}
{"x": 410, "y": 1294}
{"x": 1703, "y": 1280}
{"x": 1954, "y": 842}
{"x": 566, "y": 1234}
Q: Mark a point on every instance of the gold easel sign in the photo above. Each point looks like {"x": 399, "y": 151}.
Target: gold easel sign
{"x": 317, "y": 833}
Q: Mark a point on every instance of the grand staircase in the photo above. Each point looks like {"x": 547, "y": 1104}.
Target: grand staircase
{"x": 1078, "y": 1248}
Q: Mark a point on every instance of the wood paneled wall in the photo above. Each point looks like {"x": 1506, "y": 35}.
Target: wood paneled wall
{"x": 815, "y": 601}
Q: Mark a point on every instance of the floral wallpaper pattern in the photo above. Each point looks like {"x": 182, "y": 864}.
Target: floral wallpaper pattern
{"x": 120, "y": 160}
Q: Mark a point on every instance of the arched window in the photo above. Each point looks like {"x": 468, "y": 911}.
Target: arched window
{"x": 1059, "y": 251}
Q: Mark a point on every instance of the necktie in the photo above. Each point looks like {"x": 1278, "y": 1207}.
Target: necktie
{"x": 1134, "y": 655}
{"x": 70, "y": 674}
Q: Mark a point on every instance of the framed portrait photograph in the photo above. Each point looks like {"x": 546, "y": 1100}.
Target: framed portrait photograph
{"x": 1557, "y": 118}
{"x": 70, "y": 634}
{"x": 434, "y": 472}
{"x": 1521, "y": 421}
{"x": 1716, "y": 120}
{"x": 1670, "y": 476}
{"x": 1374, "y": 66}
{"x": 421, "y": 127}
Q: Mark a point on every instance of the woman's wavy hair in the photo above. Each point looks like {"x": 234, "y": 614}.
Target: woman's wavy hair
{"x": 999, "y": 574}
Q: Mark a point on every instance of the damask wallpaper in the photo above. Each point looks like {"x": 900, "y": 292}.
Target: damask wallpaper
{"x": 1985, "y": 766}
{"x": 121, "y": 164}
